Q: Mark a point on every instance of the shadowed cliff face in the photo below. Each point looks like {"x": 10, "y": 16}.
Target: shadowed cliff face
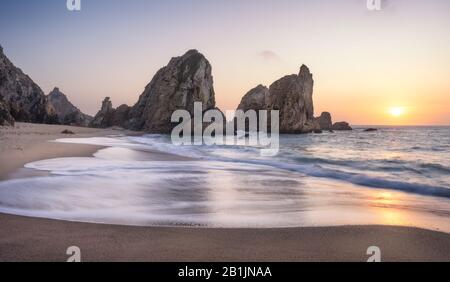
{"x": 23, "y": 97}
{"x": 67, "y": 113}
{"x": 5, "y": 117}
{"x": 184, "y": 81}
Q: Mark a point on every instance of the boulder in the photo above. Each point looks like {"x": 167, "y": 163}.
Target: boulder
{"x": 67, "y": 131}
{"x": 339, "y": 126}
{"x": 325, "y": 122}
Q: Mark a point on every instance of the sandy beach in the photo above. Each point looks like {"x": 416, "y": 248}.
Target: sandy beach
{"x": 34, "y": 239}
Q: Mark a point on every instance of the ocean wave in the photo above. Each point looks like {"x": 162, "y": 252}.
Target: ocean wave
{"x": 357, "y": 178}
{"x": 438, "y": 167}
{"x": 310, "y": 166}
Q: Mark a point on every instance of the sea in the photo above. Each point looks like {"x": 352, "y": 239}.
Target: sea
{"x": 392, "y": 176}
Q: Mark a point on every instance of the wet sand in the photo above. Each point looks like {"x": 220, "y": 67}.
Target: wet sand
{"x": 34, "y": 239}
{"x": 31, "y": 239}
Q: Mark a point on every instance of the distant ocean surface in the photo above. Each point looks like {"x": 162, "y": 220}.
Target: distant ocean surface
{"x": 394, "y": 176}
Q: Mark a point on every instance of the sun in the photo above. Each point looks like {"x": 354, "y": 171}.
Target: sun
{"x": 397, "y": 111}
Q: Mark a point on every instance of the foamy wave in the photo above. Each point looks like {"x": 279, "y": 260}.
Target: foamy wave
{"x": 314, "y": 166}
{"x": 357, "y": 178}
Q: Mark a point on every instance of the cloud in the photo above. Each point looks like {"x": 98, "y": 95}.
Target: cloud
{"x": 269, "y": 55}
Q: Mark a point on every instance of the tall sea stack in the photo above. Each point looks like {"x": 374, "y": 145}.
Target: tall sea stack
{"x": 185, "y": 80}
{"x": 291, "y": 96}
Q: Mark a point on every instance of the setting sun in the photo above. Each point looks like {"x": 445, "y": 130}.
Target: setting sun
{"x": 396, "y": 111}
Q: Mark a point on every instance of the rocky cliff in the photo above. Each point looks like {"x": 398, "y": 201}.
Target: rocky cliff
{"x": 24, "y": 99}
{"x": 185, "y": 80}
{"x": 5, "y": 117}
{"x": 67, "y": 113}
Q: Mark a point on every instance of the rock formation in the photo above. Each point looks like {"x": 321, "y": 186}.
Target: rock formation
{"x": 5, "y": 117}
{"x": 24, "y": 99}
{"x": 292, "y": 96}
{"x": 341, "y": 126}
{"x": 325, "y": 121}
{"x": 67, "y": 113}
{"x": 185, "y": 80}
{"x": 255, "y": 99}
{"x": 109, "y": 116}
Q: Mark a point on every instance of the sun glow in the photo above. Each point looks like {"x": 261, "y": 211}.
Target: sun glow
{"x": 396, "y": 111}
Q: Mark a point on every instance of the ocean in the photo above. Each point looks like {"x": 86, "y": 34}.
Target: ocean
{"x": 393, "y": 176}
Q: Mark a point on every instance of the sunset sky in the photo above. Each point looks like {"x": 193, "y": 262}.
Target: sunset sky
{"x": 370, "y": 67}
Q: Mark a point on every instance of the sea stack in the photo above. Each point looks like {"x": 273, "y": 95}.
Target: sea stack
{"x": 185, "y": 80}
{"x": 109, "y": 116}
{"x": 325, "y": 121}
{"x": 67, "y": 113}
{"x": 291, "y": 96}
{"x": 24, "y": 99}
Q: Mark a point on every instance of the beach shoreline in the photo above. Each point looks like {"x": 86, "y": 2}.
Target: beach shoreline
{"x": 36, "y": 239}
{"x": 28, "y": 142}
{"x": 47, "y": 240}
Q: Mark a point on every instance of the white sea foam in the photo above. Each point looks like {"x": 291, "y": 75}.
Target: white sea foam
{"x": 311, "y": 182}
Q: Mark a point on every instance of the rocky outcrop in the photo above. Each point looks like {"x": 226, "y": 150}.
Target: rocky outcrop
{"x": 121, "y": 116}
{"x": 103, "y": 117}
{"x": 5, "y": 117}
{"x": 109, "y": 116}
{"x": 255, "y": 99}
{"x": 341, "y": 126}
{"x": 185, "y": 80}
{"x": 25, "y": 100}
{"x": 325, "y": 122}
{"x": 67, "y": 113}
{"x": 291, "y": 96}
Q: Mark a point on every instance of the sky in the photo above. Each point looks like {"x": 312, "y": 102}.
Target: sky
{"x": 386, "y": 67}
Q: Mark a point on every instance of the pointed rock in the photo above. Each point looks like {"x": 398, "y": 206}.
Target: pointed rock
{"x": 291, "y": 96}
{"x": 67, "y": 113}
{"x": 108, "y": 116}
